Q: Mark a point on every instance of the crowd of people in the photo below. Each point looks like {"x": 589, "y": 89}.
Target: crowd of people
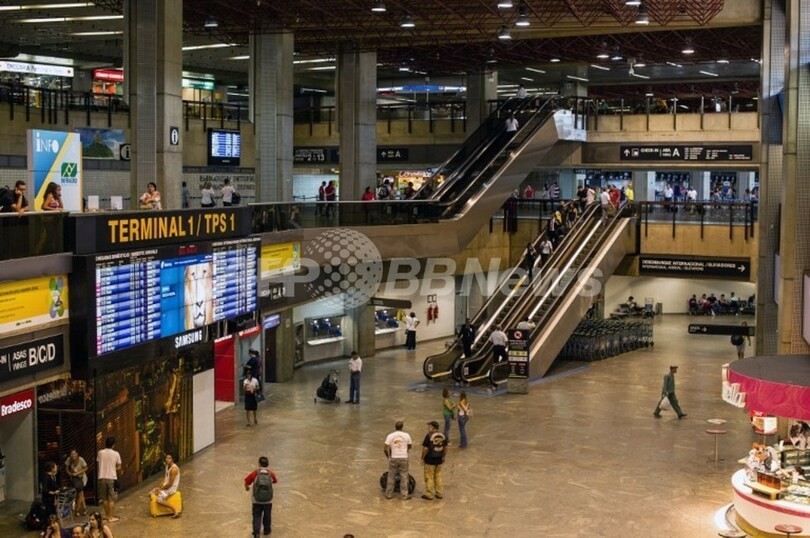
{"x": 709, "y": 305}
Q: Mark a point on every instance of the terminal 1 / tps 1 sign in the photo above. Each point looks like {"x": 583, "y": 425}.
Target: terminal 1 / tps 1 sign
{"x": 688, "y": 267}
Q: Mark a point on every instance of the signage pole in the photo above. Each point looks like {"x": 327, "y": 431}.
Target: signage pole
{"x": 517, "y": 381}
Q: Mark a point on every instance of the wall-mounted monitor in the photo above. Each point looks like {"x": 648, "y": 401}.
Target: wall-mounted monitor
{"x": 224, "y": 147}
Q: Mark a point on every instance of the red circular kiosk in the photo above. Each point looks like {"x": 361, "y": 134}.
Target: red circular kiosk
{"x": 778, "y": 386}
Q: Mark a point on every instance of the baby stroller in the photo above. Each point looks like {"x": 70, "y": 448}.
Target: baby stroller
{"x": 328, "y": 391}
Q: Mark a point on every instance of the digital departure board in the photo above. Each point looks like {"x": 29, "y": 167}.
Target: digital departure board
{"x": 224, "y": 147}
{"x": 150, "y": 294}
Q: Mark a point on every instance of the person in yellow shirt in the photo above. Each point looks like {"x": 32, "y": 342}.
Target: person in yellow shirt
{"x": 628, "y": 192}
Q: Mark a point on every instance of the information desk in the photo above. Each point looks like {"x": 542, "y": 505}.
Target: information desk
{"x": 757, "y": 515}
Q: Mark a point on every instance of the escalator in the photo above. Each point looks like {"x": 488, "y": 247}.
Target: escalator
{"x": 570, "y": 291}
{"x": 498, "y": 307}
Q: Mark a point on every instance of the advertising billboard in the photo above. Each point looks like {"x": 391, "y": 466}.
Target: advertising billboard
{"x": 25, "y": 304}
{"x": 55, "y": 157}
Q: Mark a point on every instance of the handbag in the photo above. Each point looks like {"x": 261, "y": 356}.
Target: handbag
{"x": 260, "y": 397}
{"x": 665, "y": 405}
{"x": 77, "y": 483}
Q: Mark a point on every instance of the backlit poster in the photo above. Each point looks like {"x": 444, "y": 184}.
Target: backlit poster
{"x": 54, "y": 157}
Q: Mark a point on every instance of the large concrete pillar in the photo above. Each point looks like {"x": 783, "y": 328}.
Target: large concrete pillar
{"x": 357, "y": 122}
{"x": 782, "y": 192}
{"x": 271, "y": 109}
{"x": 155, "y": 59}
{"x": 482, "y": 87}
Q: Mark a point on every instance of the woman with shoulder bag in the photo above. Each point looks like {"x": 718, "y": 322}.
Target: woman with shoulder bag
{"x": 207, "y": 196}
{"x": 77, "y": 471}
{"x": 464, "y": 413}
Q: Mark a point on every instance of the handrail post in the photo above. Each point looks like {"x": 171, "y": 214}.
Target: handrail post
{"x": 702, "y": 110}
{"x": 430, "y": 119}
{"x": 674, "y": 212}
{"x": 731, "y": 221}
{"x": 68, "y": 99}
{"x": 410, "y": 119}
{"x": 205, "y": 116}
{"x": 109, "y": 111}
{"x": 87, "y": 106}
{"x": 186, "y": 107}
{"x": 621, "y": 114}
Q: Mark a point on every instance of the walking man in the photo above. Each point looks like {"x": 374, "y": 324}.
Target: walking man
{"x": 168, "y": 486}
{"x": 355, "y": 366}
{"x": 434, "y": 448}
{"x": 668, "y": 390}
{"x": 531, "y": 257}
{"x": 498, "y": 339}
{"x": 739, "y": 340}
{"x": 467, "y": 336}
{"x": 109, "y": 467}
{"x": 411, "y": 323}
{"x": 262, "y": 480}
{"x": 397, "y": 445}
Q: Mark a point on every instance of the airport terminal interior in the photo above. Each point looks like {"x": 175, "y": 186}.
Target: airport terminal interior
{"x": 586, "y": 215}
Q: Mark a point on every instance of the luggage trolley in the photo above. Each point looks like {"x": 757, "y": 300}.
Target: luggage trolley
{"x": 65, "y": 501}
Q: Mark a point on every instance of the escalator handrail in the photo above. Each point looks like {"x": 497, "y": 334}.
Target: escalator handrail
{"x": 475, "y": 183}
{"x": 570, "y": 242}
{"x": 483, "y": 146}
{"x": 540, "y": 324}
{"x": 477, "y": 133}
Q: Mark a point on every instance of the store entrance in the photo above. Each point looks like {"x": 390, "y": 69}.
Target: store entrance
{"x": 17, "y": 450}
{"x": 270, "y": 375}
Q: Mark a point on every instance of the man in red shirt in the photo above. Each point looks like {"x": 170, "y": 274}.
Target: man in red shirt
{"x": 614, "y": 197}
{"x": 262, "y": 480}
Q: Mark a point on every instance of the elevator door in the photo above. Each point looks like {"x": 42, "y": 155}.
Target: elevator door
{"x": 270, "y": 353}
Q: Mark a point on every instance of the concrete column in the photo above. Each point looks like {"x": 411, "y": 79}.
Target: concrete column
{"x": 644, "y": 186}
{"x": 357, "y": 122}
{"x": 702, "y": 181}
{"x": 362, "y": 338}
{"x": 154, "y": 33}
{"x": 770, "y": 174}
{"x": 745, "y": 180}
{"x": 482, "y": 86}
{"x": 794, "y": 248}
{"x": 271, "y": 109}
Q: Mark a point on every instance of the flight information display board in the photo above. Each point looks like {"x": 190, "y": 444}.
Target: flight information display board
{"x": 224, "y": 147}
{"x": 155, "y": 293}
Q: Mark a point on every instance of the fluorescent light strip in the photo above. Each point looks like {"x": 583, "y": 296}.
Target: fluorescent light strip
{"x": 645, "y": 77}
{"x": 211, "y": 46}
{"x": 709, "y": 73}
{"x": 674, "y": 64}
{"x": 600, "y": 67}
{"x": 322, "y": 68}
{"x": 312, "y": 90}
{"x": 72, "y": 19}
{"x": 91, "y": 34}
{"x": 66, "y": 5}
{"x": 581, "y": 79}
{"x": 314, "y": 61}
{"x": 507, "y": 86}
{"x": 527, "y": 78}
{"x": 245, "y": 57}
{"x": 533, "y": 70}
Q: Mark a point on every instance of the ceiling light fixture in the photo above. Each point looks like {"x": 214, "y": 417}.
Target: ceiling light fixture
{"x": 616, "y": 57}
{"x": 600, "y": 67}
{"x": 211, "y": 23}
{"x": 72, "y": 19}
{"x": 379, "y": 7}
{"x": 523, "y": 17}
{"x": 66, "y": 5}
{"x": 572, "y": 77}
{"x": 505, "y": 4}
{"x": 603, "y": 56}
{"x": 709, "y": 73}
{"x": 404, "y": 69}
{"x": 645, "y": 77}
{"x": 643, "y": 18}
{"x": 527, "y": 79}
{"x": 99, "y": 33}
{"x": 632, "y": 3}
{"x": 504, "y": 34}
{"x": 688, "y": 48}
{"x": 533, "y": 70}
{"x": 407, "y": 22}
{"x": 554, "y": 60}
{"x": 211, "y": 46}
{"x": 722, "y": 61}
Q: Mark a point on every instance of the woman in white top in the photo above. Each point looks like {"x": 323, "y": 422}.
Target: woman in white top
{"x": 463, "y": 416}
{"x": 151, "y": 198}
{"x": 77, "y": 471}
{"x": 227, "y": 193}
{"x": 207, "y": 195}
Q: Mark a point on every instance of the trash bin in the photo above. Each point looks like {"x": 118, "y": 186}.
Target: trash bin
{"x": 659, "y": 309}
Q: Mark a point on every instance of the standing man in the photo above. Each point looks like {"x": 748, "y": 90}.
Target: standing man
{"x": 397, "y": 445}
{"x": 168, "y": 486}
{"x": 498, "y": 340}
{"x": 739, "y": 340}
{"x": 14, "y": 200}
{"x": 109, "y": 467}
{"x": 262, "y": 480}
{"x": 467, "y": 336}
{"x": 668, "y": 390}
{"x": 411, "y": 323}
{"x": 355, "y": 367}
{"x": 185, "y": 196}
{"x": 434, "y": 448}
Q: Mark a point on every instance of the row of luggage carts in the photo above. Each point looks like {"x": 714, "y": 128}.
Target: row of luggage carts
{"x": 594, "y": 340}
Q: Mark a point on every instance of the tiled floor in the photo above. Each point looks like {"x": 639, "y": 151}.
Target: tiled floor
{"x": 581, "y": 455}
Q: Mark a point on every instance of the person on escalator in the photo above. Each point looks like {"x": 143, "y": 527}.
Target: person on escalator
{"x": 526, "y": 325}
{"x": 511, "y": 125}
{"x": 467, "y": 335}
{"x": 531, "y": 257}
{"x": 546, "y": 248}
{"x": 522, "y": 93}
{"x": 552, "y": 229}
{"x": 499, "y": 340}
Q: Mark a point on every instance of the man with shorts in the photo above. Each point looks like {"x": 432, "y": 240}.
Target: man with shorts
{"x": 168, "y": 486}
{"x": 109, "y": 466}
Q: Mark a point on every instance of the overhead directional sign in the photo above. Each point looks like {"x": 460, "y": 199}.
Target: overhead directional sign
{"x": 689, "y": 267}
{"x": 711, "y": 329}
{"x": 303, "y": 155}
{"x": 392, "y": 154}
{"x": 684, "y": 152}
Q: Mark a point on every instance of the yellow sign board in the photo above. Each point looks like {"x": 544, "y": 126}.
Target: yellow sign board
{"x": 29, "y": 303}
{"x": 280, "y": 259}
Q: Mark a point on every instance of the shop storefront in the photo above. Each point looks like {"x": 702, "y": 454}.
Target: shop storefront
{"x": 773, "y": 487}
{"x": 108, "y": 81}
{"x": 36, "y": 75}
{"x": 17, "y": 455}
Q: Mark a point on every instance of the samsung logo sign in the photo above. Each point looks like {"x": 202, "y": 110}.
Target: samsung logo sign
{"x": 187, "y": 339}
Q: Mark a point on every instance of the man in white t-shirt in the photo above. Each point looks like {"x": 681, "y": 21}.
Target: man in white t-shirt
{"x": 397, "y": 445}
{"x": 109, "y": 466}
{"x": 355, "y": 367}
{"x": 227, "y": 193}
{"x": 411, "y": 323}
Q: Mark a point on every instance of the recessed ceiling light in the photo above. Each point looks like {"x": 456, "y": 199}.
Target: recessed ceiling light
{"x": 649, "y": 94}
{"x": 322, "y": 68}
{"x": 505, "y": 4}
{"x": 674, "y": 64}
{"x": 245, "y": 57}
{"x": 554, "y": 60}
{"x": 99, "y": 33}
{"x": 645, "y": 77}
{"x": 407, "y": 22}
{"x": 211, "y": 46}
{"x": 527, "y": 79}
{"x": 603, "y": 55}
{"x": 632, "y": 2}
{"x": 722, "y": 61}
{"x": 523, "y": 17}
{"x": 379, "y": 7}
{"x": 211, "y": 23}
{"x": 66, "y": 5}
{"x": 616, "y": 57}
{"x": 640, "y": 64}
{"x": 504, "y": 33}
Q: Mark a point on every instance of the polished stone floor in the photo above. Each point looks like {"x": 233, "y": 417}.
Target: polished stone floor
{"x": 581, "y": 455}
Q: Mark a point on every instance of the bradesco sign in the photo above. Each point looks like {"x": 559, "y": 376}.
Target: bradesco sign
{"x": 16, "y": 403}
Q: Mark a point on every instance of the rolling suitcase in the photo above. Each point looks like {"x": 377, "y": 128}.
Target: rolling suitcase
{"x": 411, "y": 482}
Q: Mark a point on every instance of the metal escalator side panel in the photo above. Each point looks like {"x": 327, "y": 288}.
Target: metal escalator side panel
{"x": 550, "y": 337}
{"x": 441, "y": 364}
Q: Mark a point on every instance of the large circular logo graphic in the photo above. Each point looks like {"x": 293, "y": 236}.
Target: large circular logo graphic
{"x": 349, "y": 268}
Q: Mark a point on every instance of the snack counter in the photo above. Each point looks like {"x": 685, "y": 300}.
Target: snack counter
{"x": 756, "y": 509}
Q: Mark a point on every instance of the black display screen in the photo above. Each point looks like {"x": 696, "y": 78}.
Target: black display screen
{"x": 224, "y": 147}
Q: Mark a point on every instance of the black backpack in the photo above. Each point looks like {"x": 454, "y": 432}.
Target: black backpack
{"x": 737, "y": 339}
{"x": 263, "y": 487}
{"x": 236, "y": 198}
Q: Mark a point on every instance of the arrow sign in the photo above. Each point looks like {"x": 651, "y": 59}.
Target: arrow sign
{"x": 727, "y": 330}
